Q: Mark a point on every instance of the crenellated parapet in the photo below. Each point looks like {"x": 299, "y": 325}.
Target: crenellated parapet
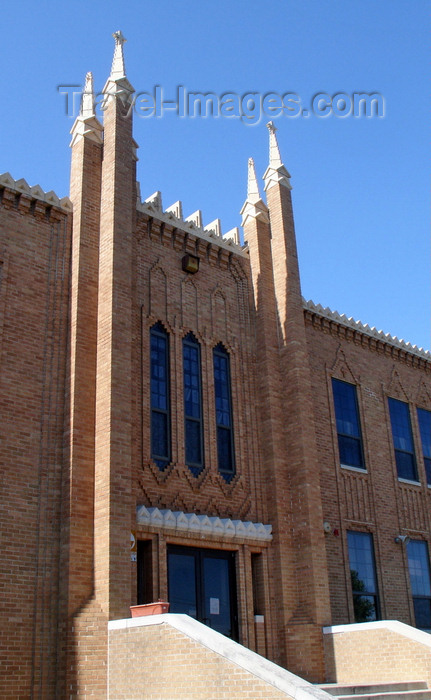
{"x": 192, "y": 224}
{"x": 357, "y": 327}
{"x": 19, "y": 193}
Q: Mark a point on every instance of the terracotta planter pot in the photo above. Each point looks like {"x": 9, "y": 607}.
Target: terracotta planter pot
{"x": 158, "y": 608}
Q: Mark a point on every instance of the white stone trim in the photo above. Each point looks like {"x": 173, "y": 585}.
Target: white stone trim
{"x": 258, "y": 666}
{"x": 254, "y": 210}
{"x": 343, "y": 320}
{"x": 391, "y": 625}
{"x": 215, "y": 227}
{"x": 89, "y": 128}
{"x": 276, "y": 176}
{"x": 233, "y": 235}
{"x": 409, "y": 481}
{"x": 36, "y": 192}
{"x": 358, "y": 470}
{"x": 203, "y": 524}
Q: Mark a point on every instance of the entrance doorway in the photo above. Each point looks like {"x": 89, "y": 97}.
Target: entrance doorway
{"x": 201, "y": 583}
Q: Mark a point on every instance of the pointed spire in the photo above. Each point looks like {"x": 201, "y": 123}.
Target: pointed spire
{"x": 253, "y": 205}
{"x": 117, "y": 83}
{"x": 274, "y": 151}
{"x": 87, "y": 102}
{"x": 275, "y": 172}
{"x": 253, "y": 194}
{"x": 118, "y": 69}
{"x": 86, "y": 124}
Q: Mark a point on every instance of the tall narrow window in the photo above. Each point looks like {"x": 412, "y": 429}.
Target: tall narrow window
{"x": 363, "y": 576}
{"x": 223, "y": 406}
{"x": 403, "y": 440}
{"x": 419, "y": 568}
{"x": 348, "y": 424}
{"x": 424, "y": 418}
{"x": 160, "y": 410}
{"x": 193, "y": 404}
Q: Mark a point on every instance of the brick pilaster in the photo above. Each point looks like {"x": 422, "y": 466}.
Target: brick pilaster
{"x": 309, "y": 608}
{"x": 113, "y": 432}
{"x": 77, "y": 559}
{"x": 271, "y": 420}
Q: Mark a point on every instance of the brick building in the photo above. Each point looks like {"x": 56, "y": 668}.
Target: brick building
{"x": 165, "y": 387}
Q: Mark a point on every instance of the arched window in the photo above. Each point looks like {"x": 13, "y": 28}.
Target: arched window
{"x": 194, "y": 442}
{"x": 160, "y": 403}
{"x": 223, "y": 406}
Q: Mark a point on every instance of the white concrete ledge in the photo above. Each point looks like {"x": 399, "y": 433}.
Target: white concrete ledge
{"x": 391, "y": 625}
{"x": 203, "y": 524}
{"x": 258, "y": 666}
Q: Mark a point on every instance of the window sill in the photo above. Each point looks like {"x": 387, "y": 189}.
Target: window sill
{"x": 358, "y": 470}
{"x": 409, "y": 481}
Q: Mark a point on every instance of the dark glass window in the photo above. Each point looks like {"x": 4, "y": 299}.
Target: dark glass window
{"x": 424, "y": 418}
{"x": 363, "y": 576}
{"x": 419, "y": 568}
{"x": 193, "y": 404}
{"x": 160, "y": 409}
{"x": 403, "y": 439}
{"x": 348, "y": 425}
{"x": 223, "y": 405}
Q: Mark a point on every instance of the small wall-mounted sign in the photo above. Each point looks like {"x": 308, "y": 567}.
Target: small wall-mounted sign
{"x": 133, "y": 546}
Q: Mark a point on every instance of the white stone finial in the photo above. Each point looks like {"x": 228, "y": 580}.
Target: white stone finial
{"x": 117, "y": 84}
{"x": 253, "y": 206}
{"x": 118, "y": 69}
{"x": 119, "y": 37}
{"x": 87, "y": 102}
{"x": 274, "y": 151}
{"x": 86, "y": 124}
{"x": 275, "y": 173}
{"x": 253, "y": 195}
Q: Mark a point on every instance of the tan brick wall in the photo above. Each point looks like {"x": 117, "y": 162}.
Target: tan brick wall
{"x": 34, "y": 256}
{"x": 374, "y": 501}
{"x": 159, "y": 662}
{"x": 378, "y": 655}
{"x": 214, "y": 305}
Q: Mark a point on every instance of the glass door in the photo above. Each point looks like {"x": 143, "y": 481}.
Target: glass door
{"x": 201, "y": 584}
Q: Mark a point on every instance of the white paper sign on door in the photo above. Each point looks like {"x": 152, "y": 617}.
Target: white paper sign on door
{"x": 214, "y": 606}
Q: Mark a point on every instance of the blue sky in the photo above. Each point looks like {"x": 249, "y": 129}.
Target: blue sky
{"x": 361, "y": 186}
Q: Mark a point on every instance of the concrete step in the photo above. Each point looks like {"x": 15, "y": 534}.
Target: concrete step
{"x": 403, "y": 695}
{"x": 407, "y": 695}
{"x": 407, "y": 690}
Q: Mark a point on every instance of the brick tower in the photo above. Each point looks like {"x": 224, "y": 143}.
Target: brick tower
{"x": 287, "y": 426}
{"x": 97, "y": 500}
{"x": 77, "y": 555}
{"x": 308, "y": 595}
{"x": 257, "y": 233}
{"x": 113, "y": 432}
